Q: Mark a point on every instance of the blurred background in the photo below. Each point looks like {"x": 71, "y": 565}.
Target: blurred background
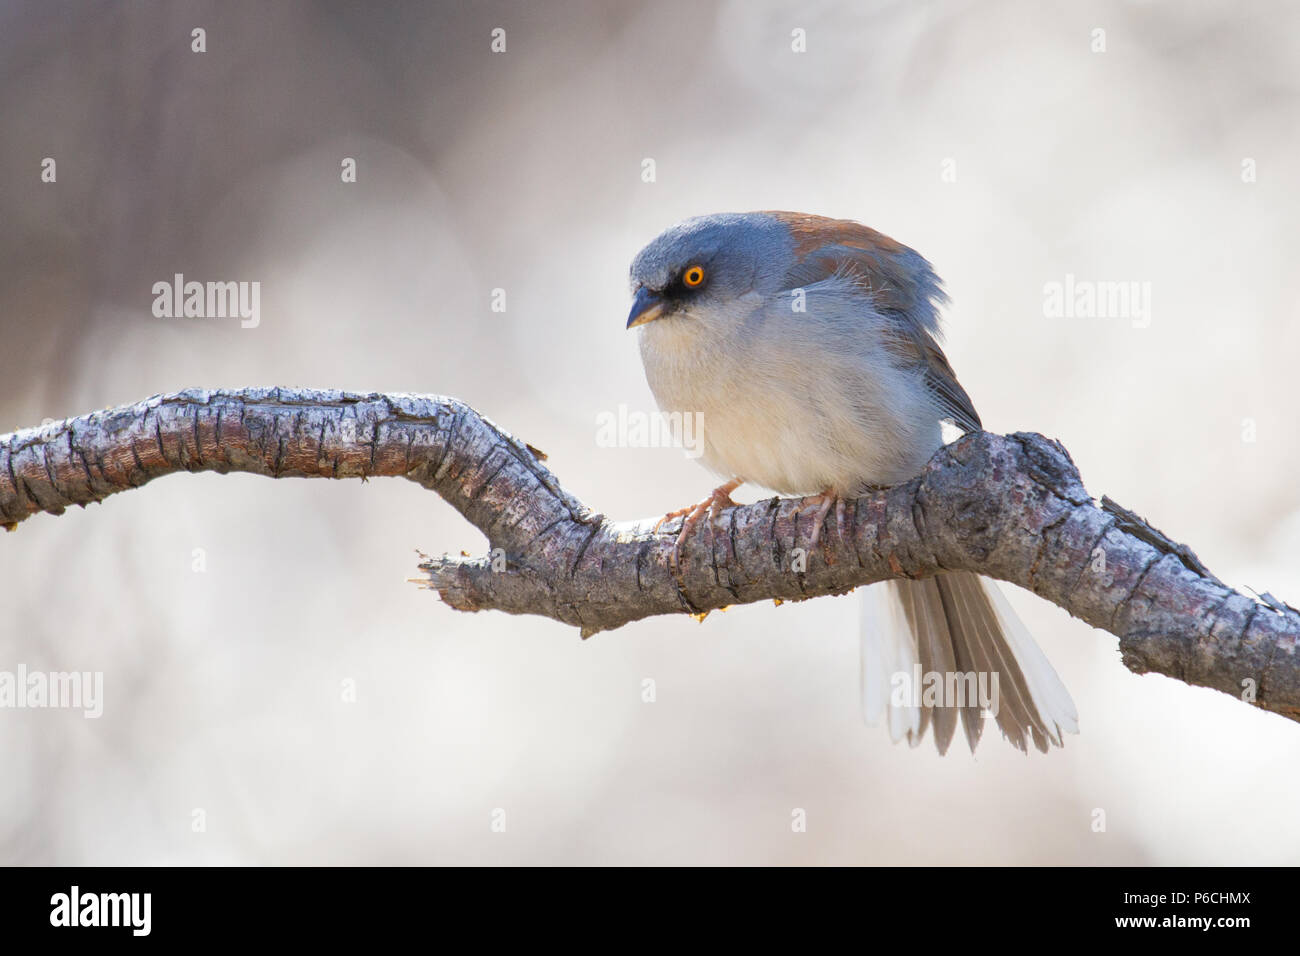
{"x": 275, "y": 692}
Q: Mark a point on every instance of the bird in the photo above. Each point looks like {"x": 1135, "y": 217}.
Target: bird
{"x": 811, "y": 348}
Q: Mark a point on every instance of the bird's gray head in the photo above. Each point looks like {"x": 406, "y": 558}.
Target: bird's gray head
{"x": 707, "y": 262}
{"x": 701, "y": 267}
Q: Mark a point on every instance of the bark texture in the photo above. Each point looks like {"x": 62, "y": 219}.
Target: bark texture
{"x": 1012, "y": 507}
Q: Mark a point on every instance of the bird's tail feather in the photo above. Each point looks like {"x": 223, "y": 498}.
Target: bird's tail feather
{"x": 946, "y": 648}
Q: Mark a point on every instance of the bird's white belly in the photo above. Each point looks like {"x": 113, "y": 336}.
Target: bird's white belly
{"x": 831, "y": 425}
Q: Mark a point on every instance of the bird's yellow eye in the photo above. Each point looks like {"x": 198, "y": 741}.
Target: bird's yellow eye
{"x": 693, "y": 277}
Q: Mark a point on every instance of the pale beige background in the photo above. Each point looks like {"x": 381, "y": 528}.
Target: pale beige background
{"x": 522, "y": 171}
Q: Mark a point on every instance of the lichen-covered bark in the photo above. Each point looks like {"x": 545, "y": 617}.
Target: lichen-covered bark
{"x": 1012, "y": 507}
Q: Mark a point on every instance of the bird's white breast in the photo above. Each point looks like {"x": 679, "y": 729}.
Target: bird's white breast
{"x": 798, "y": 402}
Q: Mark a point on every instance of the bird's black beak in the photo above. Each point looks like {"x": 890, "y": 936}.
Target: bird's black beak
{"x": 646, "y": 307}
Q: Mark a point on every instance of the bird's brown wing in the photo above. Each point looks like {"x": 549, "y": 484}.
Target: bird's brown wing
{"x": 903, "y": 287}
{"x": 948, "y": 393}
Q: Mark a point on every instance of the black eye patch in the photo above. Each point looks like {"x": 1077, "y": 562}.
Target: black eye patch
{"x": 687, "y": 281}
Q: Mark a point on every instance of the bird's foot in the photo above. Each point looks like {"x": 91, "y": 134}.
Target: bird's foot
{"x": 822, "y": 503}
{"x": 712, "y": 505}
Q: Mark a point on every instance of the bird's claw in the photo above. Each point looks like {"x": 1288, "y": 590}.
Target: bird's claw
{"x": 712, "y": 505}
{"x": 823, "y": 504}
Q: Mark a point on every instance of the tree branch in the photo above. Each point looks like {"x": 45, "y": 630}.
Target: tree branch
{"x": 1012, "y": 507}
